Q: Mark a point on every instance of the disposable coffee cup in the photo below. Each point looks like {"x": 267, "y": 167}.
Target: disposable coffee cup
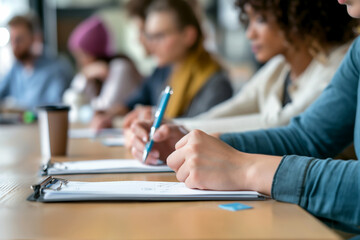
{"x": 53, "y": 126}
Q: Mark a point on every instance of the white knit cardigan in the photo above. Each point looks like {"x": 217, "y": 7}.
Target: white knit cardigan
{"x": 259, "y": 102}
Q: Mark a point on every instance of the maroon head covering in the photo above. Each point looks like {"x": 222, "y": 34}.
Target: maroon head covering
{"x": 92, "y": 37}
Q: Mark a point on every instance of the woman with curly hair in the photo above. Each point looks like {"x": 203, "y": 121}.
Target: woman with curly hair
{"x": 291, "y": 164}
{"x": 303, "y": 45}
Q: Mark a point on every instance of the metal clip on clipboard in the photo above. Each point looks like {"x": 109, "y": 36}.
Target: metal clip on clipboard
{"x": 46, "y": 184}
{"x": 45, "y": 166}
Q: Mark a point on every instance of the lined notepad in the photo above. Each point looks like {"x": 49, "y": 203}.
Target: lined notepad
{"x": 104, "y": 166}
{"x": 137, "y": 190}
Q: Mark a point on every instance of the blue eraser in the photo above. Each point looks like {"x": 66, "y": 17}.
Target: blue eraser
{"x": 234, "y": 206}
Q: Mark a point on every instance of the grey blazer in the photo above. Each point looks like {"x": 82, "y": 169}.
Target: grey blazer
{"x": 217, "y": 89}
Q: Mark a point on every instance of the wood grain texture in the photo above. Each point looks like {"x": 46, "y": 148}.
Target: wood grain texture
{"x": 19, "y": 219}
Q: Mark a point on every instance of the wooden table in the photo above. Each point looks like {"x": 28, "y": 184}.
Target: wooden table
{"x": 21, "y": 219}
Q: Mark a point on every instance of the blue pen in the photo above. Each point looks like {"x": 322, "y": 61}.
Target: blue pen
{"x": 157, "y": 122}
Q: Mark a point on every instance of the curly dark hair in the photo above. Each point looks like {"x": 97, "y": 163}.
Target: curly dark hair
{"x": 318, "y": 22}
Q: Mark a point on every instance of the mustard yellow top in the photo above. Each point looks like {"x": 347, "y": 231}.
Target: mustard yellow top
{"x": 188, "y": 79}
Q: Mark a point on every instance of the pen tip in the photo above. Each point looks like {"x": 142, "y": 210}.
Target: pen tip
{"x": 145, "y": 154}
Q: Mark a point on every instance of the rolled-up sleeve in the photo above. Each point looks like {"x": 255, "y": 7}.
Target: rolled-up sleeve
{"x": 288, "y": 184}
{"x": 329, "y": 189}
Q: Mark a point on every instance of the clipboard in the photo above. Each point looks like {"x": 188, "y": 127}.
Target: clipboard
{"x": 61, "y": 190}
{"x": 101, "y": 167}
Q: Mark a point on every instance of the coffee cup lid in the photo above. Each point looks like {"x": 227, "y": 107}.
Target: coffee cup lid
{"x": 54, "y": 108}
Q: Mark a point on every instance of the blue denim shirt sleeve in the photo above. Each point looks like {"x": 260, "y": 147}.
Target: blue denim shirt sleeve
{"x": 288, "y": 184}
{"x": 329, "y": 189}
{"x": 326, "y": 188}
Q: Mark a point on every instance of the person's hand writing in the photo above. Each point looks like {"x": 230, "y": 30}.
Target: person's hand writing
{"x": 205, "y": 162}
{"x": 164, "y": 138}
{"x": 141, "y": 113}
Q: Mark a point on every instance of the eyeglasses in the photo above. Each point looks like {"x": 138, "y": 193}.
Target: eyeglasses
{"x": 160, "y": 36}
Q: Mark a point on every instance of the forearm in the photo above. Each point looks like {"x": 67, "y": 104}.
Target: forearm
{"x": 279, "y": 142}
{"x": 300, "y": 137}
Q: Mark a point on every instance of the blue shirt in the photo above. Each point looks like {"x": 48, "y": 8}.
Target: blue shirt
{"x": 329, "y": 189}
{"x": 44, "y": 84}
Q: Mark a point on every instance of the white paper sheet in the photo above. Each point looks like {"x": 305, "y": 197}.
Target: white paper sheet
{"x": 104, "y": 166}
{"x": 114, "y": 142}
{"x": 91, "y": 133}
{"x": 138, "y": 190}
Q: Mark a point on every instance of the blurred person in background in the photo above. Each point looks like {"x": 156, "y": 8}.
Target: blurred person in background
{"x": 137, "y": 10}
{"x": 105, "y": 78}
{"x": 302, "y": 46}
{"x": 36, "y": 78}
{"x": 301, "y": 58}
{"x": 305, "y": 48}
{"x": 174, "y": 36}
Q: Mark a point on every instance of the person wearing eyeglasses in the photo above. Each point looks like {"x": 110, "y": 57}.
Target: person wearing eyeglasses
{"x": 176, "y": 40}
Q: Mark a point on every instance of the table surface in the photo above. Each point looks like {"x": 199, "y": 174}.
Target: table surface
{"x": 20, "y": 219}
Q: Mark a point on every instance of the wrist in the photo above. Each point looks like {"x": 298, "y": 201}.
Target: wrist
{"x": 260, "y": 171}
{"x": 216, "y": 135}
{"x": 249, "y": 168}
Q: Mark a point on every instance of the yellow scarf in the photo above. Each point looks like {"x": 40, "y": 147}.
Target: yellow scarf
{"x": 188, "y": 79}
